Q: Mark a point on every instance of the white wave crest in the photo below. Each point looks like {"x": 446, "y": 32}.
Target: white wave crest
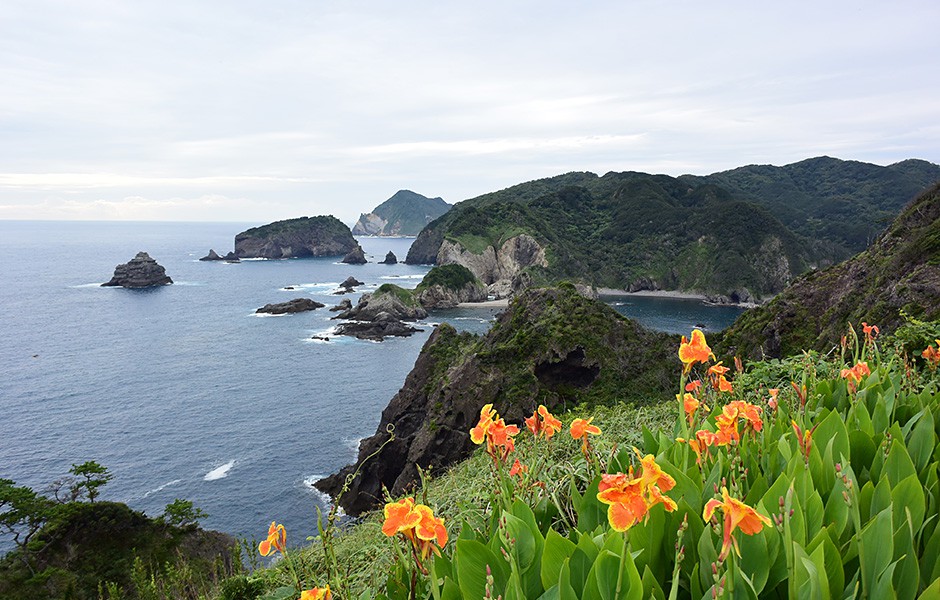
{"x": 402, "y": 277}
{"x": 323, "y": 497}
{"x": 219, "y": 472}
{"x": 162, "y": 487}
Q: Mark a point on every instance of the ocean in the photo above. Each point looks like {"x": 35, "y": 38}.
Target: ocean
{"x": 183, "y": 391}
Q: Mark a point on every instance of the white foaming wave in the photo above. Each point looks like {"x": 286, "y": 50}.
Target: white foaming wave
{"x": 353, "y": 443}
{"x": 257, "y": 258}
{"x": 220, "y": 471}
{"x": 325, "y": 333}
{"x": 266, "y": 315}
{"x": 162, "y": 487}
{"x": 402, "y": 277}
{"x": 87, "y": 285}
{"x": 323, "y": 497}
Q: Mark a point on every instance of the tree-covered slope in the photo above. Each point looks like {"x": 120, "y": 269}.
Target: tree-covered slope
{"x": 303, "y": 237}
{"x": 632, "y": 231}
{"x": 405, "y": 213}
{"x": 900, "y": 271}
{"x": 847, "y": 203}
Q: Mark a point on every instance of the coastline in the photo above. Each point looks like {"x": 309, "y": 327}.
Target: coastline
{"x": 652, "y": 293}
{"x": 499, "y": 303}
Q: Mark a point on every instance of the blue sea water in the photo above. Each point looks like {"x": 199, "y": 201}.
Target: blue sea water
{"x": 182, "y": 391}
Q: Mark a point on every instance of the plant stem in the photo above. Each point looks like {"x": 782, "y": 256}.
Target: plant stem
{"x": 623, "y": 563}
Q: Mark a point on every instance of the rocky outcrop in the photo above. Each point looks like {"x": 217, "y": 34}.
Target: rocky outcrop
{"x": 140, "y": 272}
{"x": 291, "y": 306}
{"x": 355, "y": 257}
{"x": 899, "y": 272}
{"x": 211, "y": 256}
{"x": 384, "y": 301}
{"x": 390, "y": 259}
{"x": 552, "y": 347}
{"x": 296, "y": 238}
{"x": 438, "y": 296}
{"x": 383, "y": 325}
{"x": 231, "y": 257}
{"x": 500, "y": 268}
{"x": 345, "y": 304}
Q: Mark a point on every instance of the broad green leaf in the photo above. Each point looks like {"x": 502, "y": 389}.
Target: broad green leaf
{"x": 932, "y": 591}
{"x": 832, "y": 563}
{"x": 554, "y": 554}
{"x": 523, "y": 550}
{"x": 899, "y": 465}
{"x": 450, "y": 590}
{"x": 909, "y": 495}
{"x": 755, "y": 559}
{"x": 470, "y": 561}
{"x": 923, "y": 440}
{"x": 651, "y": 587}
{"x": 565, "y": 591}
{"x": 602, "y": 581}
{"x": 551, "y": 593}
{"x": 876, "y": 547}
{"x": 592, "y": 512}
{"x": 685, "y": 488}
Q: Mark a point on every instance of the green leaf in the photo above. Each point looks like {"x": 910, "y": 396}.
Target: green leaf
{"x": 450, "y": 590}
{"x": 554, "y": 554}
{"x": 909, "y": 495}
{"x": 565, "y": 589}
{"x": 755, "y": 560}
{"x": 932, "y": 591}
{"x": 651, "y": 587}
{"x": 899, "y": 465}
{"x": 286, "y": 592}
{"x": 832, "y": 564}
{"x": 877, "y": 547}
{"x": 523, "y": 550}
{"x": 923, "y": 440}
{"x": 591, "y": 512}
{"x": 470, "y": 561}
{"x": 602, "y": 580}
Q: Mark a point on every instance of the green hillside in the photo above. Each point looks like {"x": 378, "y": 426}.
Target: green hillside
{"x": 405, "y": 213}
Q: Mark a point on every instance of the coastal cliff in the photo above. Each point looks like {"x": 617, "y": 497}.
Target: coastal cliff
{"x": 296, "y": 238}
{"x": 404, "y": 214}
{"x": 552, "y": 346}
{"x": 900, "y": 271}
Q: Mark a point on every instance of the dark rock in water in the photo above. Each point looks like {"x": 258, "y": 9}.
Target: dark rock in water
{"x": 382, "y": 326}
{"x": 292, "y": 306}
{"x": 350, "y": 282}
{"x": 355, "y": 257}
{"x": 320, "y": 337}
{"x": 141, "y": 272}
{"x": 371, "y": 305}
{"x": 296, "y": 238}
{"x": 390, "y": 259}
{"x": 231, "y": 257}
{"x": 211, "y": 256}
{"x": 287, "y": 287}
{"x": 345, "y": 304}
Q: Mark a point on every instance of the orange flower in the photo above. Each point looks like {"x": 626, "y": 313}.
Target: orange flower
{"x": 871, "y": 332}
{"x": 737, "y": 515}
{"x": 317, "y": 594}
{"x": 430, "y": 529}
{"x": 747, "y": 411}
{"x": 277, "y": 540}
{"x": 653, "y": 475}
{"x": 805, "y": 438}
{"x": 772, "y": 403}
{"x": 800, "y": 392}
{"x": 716, "y": 374}
{"x": 517, "y": 469}
{"x": 695, "y": 351}
{"x": 700, "y": 443}
{"x": 854, "y": 375}
{"x": 932, "y": 356}
{"x": 580, "y": 429}
{"x": 693, "y": 386}
{"x": 690, "y": 405}
{"x": 478, "y": 433}
{"x": 624, "y": 495}
{"x": 400, "y": 516}
{"x": 543, "y": 422}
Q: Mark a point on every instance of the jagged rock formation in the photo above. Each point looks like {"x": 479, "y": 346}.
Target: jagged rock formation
{"x": 447, "y": 286}
{"x": 900, "y": 271}
{"x": 231, "y": 257}
{"x": 345, "y": 304}
{"x": 355, "y": 257}
{"x": 140, "y": 272}
{"x": 552, "y": 346}
{"x": 211, "y": 256}
{"x": 296, "y": 238}
{"x": 405, "y": 213}
{"x": 291, "y": 306}
{"x": 390, "y": 299}
{"x": 497, "y": 268}
{"x": 390, "y": 259}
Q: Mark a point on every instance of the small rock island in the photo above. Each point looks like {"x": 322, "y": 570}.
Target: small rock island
{"x": 140, "y": 272}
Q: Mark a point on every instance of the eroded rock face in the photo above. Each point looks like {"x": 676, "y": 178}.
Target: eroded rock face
{"x": 498, "y": 269}
{"x": 390, "y": 259}
{"x": 344, "y": 304}
{"x": 370, "y": 306}
{"x": 291, "y": 306}
{"x": 355, "y": 257}
{"x": 140, "y": 272}
{"x": 211, "y": 256}
{"x": 438, "y": 296}
{"x": 382, "y": 326}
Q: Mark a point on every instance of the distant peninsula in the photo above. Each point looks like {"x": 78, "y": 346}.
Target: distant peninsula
{"x": 404, "y": 214}
{"x": 296, "y": 238}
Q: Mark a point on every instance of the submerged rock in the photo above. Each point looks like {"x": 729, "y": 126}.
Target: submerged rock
{"x": 382, "y": 326}
{"x": 291, "y": 306}
{"x": 140, "y": 272}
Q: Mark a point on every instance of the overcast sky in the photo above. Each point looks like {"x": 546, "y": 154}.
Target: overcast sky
{"x": 255, "y": 111}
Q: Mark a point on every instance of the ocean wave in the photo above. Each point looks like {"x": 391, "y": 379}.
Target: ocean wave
{"x": 87, "y": 285}
{"x": 323, "y": 497}
{"x": 219, "y": 472}
{"x": 353, "y": 443}
{"x": 162, "y": 487}
{"x": 266, "y": 315}
{"x": 402, "y": 277}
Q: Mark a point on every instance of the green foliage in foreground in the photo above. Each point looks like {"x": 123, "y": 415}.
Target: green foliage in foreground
{"x": 451, "y": 277}
{"x": 847, "y": 473}
{"x": 407, "y": 297}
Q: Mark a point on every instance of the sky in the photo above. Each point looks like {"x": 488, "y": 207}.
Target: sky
{"x": 230, "y": 110}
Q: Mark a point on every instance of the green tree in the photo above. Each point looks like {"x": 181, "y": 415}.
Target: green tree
{"x": 95, "y": 475}
{"x": 23, "y": 512}
{"x": 183, "y": 514}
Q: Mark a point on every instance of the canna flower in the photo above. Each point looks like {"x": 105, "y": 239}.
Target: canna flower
{"x": 716, "y": 374}
{"x": 696, "y": 351}
{"x": 400, "y": 516}
{"x": 478, "y": 433}
{"x": 630, "y": 498}
{"x": 317, "y": 594}
{"x": 746, "y": 411}
{"x": 854, "y": 375}
{"x": 805, "y": 438}
{"x": 493, "y": 430}
{"x": 518, "y": 469}
{"x": 417, "y": 523}
{"x": 737, "y": 515}
{"x": 690, "y": 405}
{"x": 693, "y": 386}
{"x": 800, "y": 392}
{"x": 871, "y": 332}
{"x": 772, "y": 403}
{"x": 932, "y": 356}
{"x": 701, "y": 443}
{"x": 429, "y": 530}
{"x": 543, "y": 422}
{"x": 276, "y": 541}
{"x": 653, "y": 475}
{"x": 580, "y": 429}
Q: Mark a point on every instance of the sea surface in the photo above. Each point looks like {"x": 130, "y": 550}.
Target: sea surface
{"x": 183, "y": 391}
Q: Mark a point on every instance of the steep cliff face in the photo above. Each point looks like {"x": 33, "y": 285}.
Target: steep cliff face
{"x": 552, "y": 346}
{"x": 900, "y": 271}
{"x": 296, "y": 238}
{"x": 497, "y": 268}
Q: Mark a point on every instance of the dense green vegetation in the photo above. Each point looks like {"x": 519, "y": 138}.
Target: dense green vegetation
{"x": 718, "y": 234}
{"x": 405, "y": 213}
{"x": 70, "y": 546}
{"x": 451, "y": 277}
{"x": 329, "y": 225}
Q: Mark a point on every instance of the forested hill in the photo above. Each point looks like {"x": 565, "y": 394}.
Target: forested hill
{"x": 846, "y": 202}
{"x": 639, "y": 231}
{"x": 405, "y": 213}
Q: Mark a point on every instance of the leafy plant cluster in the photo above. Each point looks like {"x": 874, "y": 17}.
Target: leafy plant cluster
{"x": 809, "y": 478}
{"x": 451, "y": 277}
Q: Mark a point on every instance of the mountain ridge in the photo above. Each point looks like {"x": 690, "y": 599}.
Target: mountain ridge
{"x": 404, "y": 214}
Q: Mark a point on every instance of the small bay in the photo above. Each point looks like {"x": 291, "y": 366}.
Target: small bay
{"x": 183, "y": 391}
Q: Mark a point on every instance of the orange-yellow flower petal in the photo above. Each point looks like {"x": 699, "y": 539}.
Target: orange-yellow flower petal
{"x": 580, "y": 428}
{"x": 697, "y": 350}
{"x": 400, "y": 516}
{"x": 317, "y": 594}
{"x": 276, "y": 540}
{"x": 550, "y": 424}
